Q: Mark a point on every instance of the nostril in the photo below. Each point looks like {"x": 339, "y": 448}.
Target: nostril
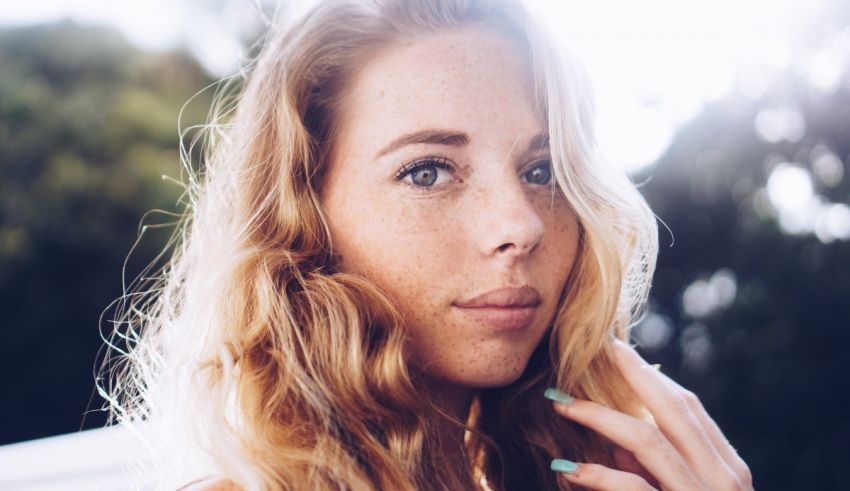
{"x": 520, "y": 248}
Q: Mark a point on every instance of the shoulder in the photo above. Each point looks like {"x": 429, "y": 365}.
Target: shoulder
{"x": 211, "y": 483}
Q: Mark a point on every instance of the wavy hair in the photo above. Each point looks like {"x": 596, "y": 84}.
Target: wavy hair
{"x": 250, "y": 355}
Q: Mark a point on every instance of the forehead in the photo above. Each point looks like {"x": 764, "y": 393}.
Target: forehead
{"x": 469, "y": 78}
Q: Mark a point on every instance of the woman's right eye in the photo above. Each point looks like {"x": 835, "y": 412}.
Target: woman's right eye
{"x": 424, "y": 173}
{"x": 424, "y": 176}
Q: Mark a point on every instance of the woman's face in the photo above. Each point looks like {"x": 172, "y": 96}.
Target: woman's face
{"x": 440, "y": 191}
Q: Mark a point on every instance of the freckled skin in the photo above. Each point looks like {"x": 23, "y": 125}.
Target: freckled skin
{"x": 481, "y": 227}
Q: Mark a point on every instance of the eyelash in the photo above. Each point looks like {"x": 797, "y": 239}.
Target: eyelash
{"x": 411, "y": 167}
{"x": 540, "y": 163}
{"x": 440, "y": 163}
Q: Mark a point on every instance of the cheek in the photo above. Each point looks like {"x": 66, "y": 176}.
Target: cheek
{"x": 563, "y": 229}
{"x": 555, "y": 211}
{"x": 404, "y": 247}
{"x": 559, "y": 250}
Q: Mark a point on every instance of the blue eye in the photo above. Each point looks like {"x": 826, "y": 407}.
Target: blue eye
{"x": 423, "y": 173}
{"x": 424, "y": 176}
{"x": 540, "y": 174}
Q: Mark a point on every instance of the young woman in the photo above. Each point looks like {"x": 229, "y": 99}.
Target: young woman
{"x": 401, "y": 248}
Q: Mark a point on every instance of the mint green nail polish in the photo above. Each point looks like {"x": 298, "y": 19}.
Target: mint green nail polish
{"x": 563, "y": 465}
{"x": 558, "y": 396}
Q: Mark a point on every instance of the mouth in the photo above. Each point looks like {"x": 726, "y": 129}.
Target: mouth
{"x": 505, "y": 309}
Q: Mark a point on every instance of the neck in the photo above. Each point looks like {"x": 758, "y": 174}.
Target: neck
{"x": 452, "y": 399}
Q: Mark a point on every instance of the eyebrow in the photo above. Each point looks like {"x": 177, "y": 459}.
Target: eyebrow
{"x": 450, "y": 138}
{"x": 539, "y": 142}
{"x": 428, "y": 136}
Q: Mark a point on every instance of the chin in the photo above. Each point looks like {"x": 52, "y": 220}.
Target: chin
{"x": 481, "y": 368}
{"x": 490, "y": 379}
{"x": 507, "y": 369}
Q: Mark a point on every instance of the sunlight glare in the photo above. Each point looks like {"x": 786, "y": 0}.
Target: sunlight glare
{"x": 655, "y": 64}
{"x": 789, "y": 187}
{"x": 775, "y": 124}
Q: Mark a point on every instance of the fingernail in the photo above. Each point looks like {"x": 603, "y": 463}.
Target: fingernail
{"x": 563, "y": 465}
{"x": 558, "y": 396}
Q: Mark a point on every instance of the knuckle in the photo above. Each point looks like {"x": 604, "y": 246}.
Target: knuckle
{"x": 648, "y": 435}
{"x": 678, "y": 403}
{"x": 691, "y": 399}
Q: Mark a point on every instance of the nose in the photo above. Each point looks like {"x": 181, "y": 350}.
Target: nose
{"x": 508, "y": 223}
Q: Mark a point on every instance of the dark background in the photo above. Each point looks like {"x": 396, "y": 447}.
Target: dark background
{"x": 88, "y": 125}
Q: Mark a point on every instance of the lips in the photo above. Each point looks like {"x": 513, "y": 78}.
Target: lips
{"x": 525, "y": 296}
{"x": 504, "y": 309}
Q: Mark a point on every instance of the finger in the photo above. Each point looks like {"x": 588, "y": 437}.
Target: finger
{"x": 599, "y": 477}
{"x": 626, "y": 462}
{"x": 649, "y": 446}
{"x": 733, "y": 460}
{"x": 674, "y": 416}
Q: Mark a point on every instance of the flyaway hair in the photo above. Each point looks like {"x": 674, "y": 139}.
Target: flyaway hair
{"x": 252, "y": 356}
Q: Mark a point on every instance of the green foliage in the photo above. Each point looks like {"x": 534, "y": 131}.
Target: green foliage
{"x": 88, "y": 126}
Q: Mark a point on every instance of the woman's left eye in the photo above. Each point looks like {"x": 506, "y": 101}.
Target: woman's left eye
{"x": 540, "y": 173}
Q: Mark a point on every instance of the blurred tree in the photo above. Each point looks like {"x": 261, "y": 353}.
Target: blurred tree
{"x": 88, "y": 125}
{"x": 771, "y": 365}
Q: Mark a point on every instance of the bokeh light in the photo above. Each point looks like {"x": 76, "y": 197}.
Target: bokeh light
{"x": 704, "y": 297}
{"x": 776, "y": 124}
{"x": 697, "y": 347}
{"x": 658, "y": 71}
{"x": 654, "y": 331}
{"x": 798, "y": 209}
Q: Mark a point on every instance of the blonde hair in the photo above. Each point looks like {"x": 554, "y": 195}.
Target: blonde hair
{"x": 253, "y": 357}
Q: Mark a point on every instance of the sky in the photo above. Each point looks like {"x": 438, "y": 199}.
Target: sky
{"x": 654, "y": 64}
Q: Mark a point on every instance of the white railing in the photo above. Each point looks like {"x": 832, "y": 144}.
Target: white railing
{"x": 100, "y": 459}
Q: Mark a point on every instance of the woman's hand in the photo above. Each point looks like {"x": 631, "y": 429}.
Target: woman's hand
{"x": 685, "y": 451}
